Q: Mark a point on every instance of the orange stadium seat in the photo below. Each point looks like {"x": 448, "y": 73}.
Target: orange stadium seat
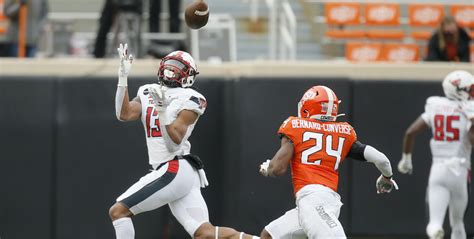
{"x": 464, "y": 15}
{"x": 383, "y": 14}
{"x": 3, "y": 19}
{"x": 472, "y": 53}
{"x": 424, "y": 15}
{"x": 340, "y": 15}
{"x": 399, "y": 52}
{"x": 363, "y": 51}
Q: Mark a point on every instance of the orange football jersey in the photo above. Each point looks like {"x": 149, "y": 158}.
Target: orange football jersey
{"x": 319, "y": 149}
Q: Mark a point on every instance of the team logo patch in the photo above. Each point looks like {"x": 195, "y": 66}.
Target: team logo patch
{"x": 199, "y": 101}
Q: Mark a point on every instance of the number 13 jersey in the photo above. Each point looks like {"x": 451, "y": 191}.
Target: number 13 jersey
{"x": 318, "y": 150}
{"x": 182, "y": 99}
{"x": 450, "y": 128}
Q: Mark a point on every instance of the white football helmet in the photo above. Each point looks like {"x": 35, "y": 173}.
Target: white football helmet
{"x": 459, "y": 85}
{"x": 177, "y": 69}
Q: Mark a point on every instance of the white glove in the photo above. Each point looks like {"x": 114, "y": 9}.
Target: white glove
{"x": 405, "y": 166}
{"x": 264, "y": 168}
{"x": 468, "y": 108}
{"x": 385, "y": 185}
{"x": 125, "y": 64}
{"x": 158, "y": 93}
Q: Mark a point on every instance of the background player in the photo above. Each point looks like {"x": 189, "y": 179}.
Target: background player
{"x": 316, "y": 145}
{"x": 169, "y": 111}
{"x": 450, "y": 119}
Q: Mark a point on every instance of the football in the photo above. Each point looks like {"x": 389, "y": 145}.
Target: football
{"x": 196, "y": 14}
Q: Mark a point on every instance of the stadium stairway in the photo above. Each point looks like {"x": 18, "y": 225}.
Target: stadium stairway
{"x": 252, "y": 43}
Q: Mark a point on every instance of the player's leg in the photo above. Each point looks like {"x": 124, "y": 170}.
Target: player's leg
{"x": 152, "y": 191}
{"x": 192, "y": 213}
{"x": 285, "y": 227}
{"x": 318, "y": 211}
{"x": 438, "y": 199}
{"x": 458, "y": 204}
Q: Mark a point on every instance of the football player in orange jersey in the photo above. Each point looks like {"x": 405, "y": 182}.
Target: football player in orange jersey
{"x": 315, "y": 145}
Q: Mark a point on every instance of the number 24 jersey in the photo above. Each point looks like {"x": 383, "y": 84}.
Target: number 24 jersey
{"x": 319, "y": 149}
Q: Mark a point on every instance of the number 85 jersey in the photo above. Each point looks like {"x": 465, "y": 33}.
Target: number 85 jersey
{"x": 450, "y": 128}
{"x": 319, "y": 148}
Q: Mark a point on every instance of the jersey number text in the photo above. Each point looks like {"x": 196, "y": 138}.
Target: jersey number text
{"x": 152, "y": 130}
{"x": 444, "y": 124}
{"x": 318, "y": 139}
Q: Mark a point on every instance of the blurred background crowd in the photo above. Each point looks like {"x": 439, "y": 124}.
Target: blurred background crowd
{"x": 396, "y": 31}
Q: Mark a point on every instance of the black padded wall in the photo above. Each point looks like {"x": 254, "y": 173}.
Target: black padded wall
{"x": 27, "y": 145}
{"x": 65, "y": 158}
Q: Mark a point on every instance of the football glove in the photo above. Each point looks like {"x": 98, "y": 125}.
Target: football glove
{"x": 125, "y": 64}
{"x": 405, "y": 165}
{"x": 264, "y": 168}
{"x": 158, "y": 93}
{"x": 385, "y": 185}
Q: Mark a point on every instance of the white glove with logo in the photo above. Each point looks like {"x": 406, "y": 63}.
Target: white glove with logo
{"x": 264, "y": 168}
{"x": 385, "y": 185}
{"x": 405, "y": 166}
{"x": 125, "y": 64}
{"x": 158, "y": 93}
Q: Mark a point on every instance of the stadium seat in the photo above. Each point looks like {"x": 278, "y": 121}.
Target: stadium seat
{"x": 363, "y": 51}
{"x": 382, "y": 15}
{"x": 400, "y": 52}
{"x": 424, "y": 15}
{"x": 464, "y": 15}
{"x": 339, "y": 16}
{"x": 472, "y": 53}
{"x": 3, "y": 19}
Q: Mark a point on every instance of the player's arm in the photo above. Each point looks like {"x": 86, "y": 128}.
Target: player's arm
{"x": 418, "y": 126}
{"x": 178, "y": 128}
{"x": 471, "y": 132}
{"x": 363, "y": 152}
{"x": 278, "y": 165}
{"x": 125, "y": 110}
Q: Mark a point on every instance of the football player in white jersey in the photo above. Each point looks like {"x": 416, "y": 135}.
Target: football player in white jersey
{"x": 450, "y": 119}
{"x": 169, "y": 111}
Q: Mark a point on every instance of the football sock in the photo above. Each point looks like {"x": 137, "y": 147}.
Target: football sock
{"x": 124, "y": 228}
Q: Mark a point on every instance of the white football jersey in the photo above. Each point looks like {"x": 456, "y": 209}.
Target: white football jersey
{"x": 450, "y": 128}
{"x": 183, "y": 99}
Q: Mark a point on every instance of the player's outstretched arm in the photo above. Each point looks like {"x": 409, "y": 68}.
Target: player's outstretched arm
{"x": 279, "y": 163}
{"x": 418, "y": 126}
{"x": 125, "y": 109}
{"x": 362, "y": 152}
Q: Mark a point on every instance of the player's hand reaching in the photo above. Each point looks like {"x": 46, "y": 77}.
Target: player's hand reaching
{"x": 158, "y": 93}
{"x": 125, "y": 64}
{"x": 264, "y": 168}
{"x": 405, "y": 165}
{"x": 385, "y": 185}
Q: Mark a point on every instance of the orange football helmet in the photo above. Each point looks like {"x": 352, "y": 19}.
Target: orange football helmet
{"x": 319, "y": 102}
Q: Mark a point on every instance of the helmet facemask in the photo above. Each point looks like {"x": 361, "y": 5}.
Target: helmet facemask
{"x": 175, "y": 72}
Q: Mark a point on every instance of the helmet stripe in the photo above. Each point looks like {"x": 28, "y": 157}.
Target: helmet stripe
{"x": 330, "y": 94}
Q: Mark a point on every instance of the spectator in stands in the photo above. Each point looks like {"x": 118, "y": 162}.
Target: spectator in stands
{"x": 36, "y": 19}
{"x": 449, "y": 43}
{"x": 161, "y": 48}
{"x": 109, "y": 12}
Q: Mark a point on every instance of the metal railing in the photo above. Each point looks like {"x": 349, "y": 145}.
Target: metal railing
{"x": 282, "y": 30}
